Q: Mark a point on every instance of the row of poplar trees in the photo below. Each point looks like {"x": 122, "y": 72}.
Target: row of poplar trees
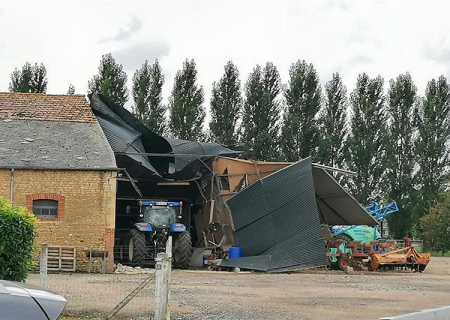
{"x": 397, "y": 142}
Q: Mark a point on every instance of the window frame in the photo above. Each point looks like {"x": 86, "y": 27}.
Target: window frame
{"x": 51, "y": 206}
{"x": 48, "y": 196}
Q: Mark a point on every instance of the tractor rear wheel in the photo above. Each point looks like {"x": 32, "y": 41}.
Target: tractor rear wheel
{"x": 182, "y": 250}
{"x": 136, "y": 248}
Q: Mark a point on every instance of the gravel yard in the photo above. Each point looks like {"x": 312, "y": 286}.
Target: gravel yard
{"x": 224, "y": 295}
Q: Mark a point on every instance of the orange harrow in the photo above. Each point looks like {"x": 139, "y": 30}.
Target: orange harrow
{"x": 374, "y": 256}
{"x": 404, "y": 258}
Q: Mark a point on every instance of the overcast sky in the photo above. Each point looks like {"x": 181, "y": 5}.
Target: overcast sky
{"x": 385, "y": 37}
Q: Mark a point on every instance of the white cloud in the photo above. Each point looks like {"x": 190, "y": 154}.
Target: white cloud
{"x": 125, "y": 32}
{"x": 373, "y": 36}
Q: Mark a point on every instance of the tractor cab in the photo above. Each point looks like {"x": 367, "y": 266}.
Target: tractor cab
{"x": 160, "y": 217}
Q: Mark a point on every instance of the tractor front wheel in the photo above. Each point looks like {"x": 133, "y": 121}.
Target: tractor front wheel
{"x": 343, "y": 262}
{"x": 182, "y": 250}
{"x": 136, "y": 248}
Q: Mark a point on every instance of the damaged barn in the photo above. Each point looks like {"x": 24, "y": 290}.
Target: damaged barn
{"x": 274, "y": 211}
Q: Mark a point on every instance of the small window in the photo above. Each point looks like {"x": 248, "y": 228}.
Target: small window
{"x": 45, "y": 208}
{"x": 224, "y": 181}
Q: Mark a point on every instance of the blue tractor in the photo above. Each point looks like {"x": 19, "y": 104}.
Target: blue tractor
{"x": 157, "y": 221}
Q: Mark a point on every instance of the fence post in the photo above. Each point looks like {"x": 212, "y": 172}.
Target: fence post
{"x": 162, "y": 272}
{"x": 169, "y": 254}
{"x": 43, "y": 265}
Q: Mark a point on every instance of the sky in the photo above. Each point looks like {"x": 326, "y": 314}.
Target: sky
{"x": 380, "y": 37}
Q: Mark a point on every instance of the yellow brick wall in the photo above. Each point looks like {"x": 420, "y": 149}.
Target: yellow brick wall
{"x": 87, "y": 218}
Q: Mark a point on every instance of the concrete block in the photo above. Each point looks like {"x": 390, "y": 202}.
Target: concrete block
{"x": 348, "y": 270}
{"x": 197, "y": 258}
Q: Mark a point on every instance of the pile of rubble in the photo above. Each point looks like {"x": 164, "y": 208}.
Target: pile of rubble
{"x": 121, "y": 269}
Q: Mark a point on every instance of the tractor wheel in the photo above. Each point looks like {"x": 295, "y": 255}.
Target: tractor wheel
{"x": 182, "y": 250}
{"x": 136, "y": 248}
{"x": 343, "y": 262}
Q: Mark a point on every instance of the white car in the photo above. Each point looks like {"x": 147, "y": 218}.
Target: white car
{"x": 19, "y": 301}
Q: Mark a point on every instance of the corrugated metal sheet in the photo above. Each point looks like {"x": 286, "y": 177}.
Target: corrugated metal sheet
{"x": 98, "y": 105}
{"x": 276, "y": 222}
{"x": 195, "y": 148}
{"x": 119, "y": 137}
{"x": 123, "y": 130}
{"x": 336, "y": 205}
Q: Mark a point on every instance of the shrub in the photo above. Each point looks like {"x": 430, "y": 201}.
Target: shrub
{"x": 436, "y": 226}
{"x": 17, "y": 240}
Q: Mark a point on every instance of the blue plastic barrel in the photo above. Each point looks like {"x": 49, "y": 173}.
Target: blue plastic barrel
{"x": 235, "y": 252}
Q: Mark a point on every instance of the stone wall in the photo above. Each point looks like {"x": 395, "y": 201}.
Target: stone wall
{"x": 86, "y": 207}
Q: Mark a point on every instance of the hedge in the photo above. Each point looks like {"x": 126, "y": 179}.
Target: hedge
{"x": 17, "y": 241}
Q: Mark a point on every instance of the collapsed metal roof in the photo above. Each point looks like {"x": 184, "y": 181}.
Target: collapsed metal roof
{"x": 195, "y": 149}
{"x": 147, "y": 155}
{"x": 336, "y": 205}
{"x": 277, "y": 220}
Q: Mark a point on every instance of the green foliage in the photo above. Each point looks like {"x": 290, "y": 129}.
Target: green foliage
{"x": 300, "y": 131}
{"x": 111, "y": 80}
{"x": 261, "y": 112}
{"x": 435, "y": 226}
{"x": 31, "y": 79}
{"x": 17, "y": 235}
{"x": 332, "y": 121}
{"x": 432, "y": 118}
{"x": 186, "y": 104}
{"x": 365, "y": 144}
{"x": 226, "y": 106}
{"x": 71, "y": 89}
{"x": 402, "y": 99}
{"x": 147, "y": 95}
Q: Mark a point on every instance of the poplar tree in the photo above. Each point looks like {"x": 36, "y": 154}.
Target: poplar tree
{"x": 402, "y": 99}
{"x": 186, "y": 104}
{"x": 432, "y": 118}
{"x": 111, "y": 80}
{"x": 147, "y": 96}
{"x": 226, "y": 107}
{"x": 332, "y": 122}
{"x": 365, "y": 144}
{"x": 31, "y": 79}
{"x": 300, "y": 131}
{"x": 261, "y": 113}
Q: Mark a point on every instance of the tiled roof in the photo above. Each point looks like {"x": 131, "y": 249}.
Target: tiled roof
{"x": 40, "y": 131}
{"x": 49, "y": 107}
{"x": 41, "y": 144}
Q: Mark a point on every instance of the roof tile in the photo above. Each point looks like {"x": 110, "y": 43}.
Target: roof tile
{"x": 39, "y": 106}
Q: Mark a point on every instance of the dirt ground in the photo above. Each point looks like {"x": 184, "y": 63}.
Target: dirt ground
{"x": 306, "y": 295}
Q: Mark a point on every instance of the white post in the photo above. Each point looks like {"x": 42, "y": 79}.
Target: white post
{"x": 162, "y": 271}
{"x": 43, "y": 265}
{"x": 169, "y": 267}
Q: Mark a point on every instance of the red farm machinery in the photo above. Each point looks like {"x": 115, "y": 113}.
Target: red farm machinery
{"x": 374, "y": 256}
